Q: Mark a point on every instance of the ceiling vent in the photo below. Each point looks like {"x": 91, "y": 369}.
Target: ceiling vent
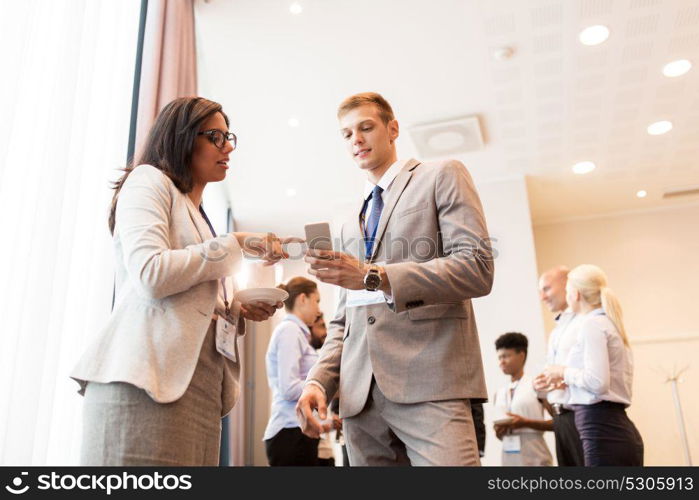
{"x": 683, "y": 191}
{"x": 439, "y": 139}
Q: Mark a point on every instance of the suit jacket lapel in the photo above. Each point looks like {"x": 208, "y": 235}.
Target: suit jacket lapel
{"x": 198, "y": 221}
{"x": 394, "y": 194}
{"x": 353, "y": 236}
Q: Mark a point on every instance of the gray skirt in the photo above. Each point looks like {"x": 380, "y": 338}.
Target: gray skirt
{"x": 124, "y": 426}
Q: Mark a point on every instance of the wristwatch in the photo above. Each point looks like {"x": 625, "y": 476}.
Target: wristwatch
{"x": 372, "y": 279}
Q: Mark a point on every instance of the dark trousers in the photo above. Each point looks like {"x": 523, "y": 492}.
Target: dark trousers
{"x": 479, "y": 425}
{"x": 291, "y": 447}
{"x": 569, "y": 449}
{"x": 608, "y": 436}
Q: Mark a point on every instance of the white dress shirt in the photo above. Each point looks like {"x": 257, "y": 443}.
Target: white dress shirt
{"x": 599, "y": 365}
{"x": 289, "y": 358}
{"x": 520, "y": 398}
{"x": 384, "y": 183}
{"x": 561, "y": 340}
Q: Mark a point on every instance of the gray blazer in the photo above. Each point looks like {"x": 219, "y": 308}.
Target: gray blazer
{"x": 424, "y": 346}
{"x": 167, "y": 281}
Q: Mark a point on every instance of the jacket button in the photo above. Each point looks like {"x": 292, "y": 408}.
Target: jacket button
{"x": 371, "y": 320}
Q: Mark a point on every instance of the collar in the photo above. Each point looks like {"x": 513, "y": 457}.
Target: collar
{"x": 513, "y": 385}
{"x": 295, "y": 319}
{"x": 386, "y": 180}
{"x": 563, "y": 314}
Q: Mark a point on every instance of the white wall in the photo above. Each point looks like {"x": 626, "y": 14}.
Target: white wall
{"x": 651, "y": 261}
{"x": 513, "y": 304}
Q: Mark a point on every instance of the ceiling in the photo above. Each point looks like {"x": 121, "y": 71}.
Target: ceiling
{"x": 554, "y": 103}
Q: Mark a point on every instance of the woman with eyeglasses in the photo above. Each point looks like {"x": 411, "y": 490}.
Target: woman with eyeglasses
{"x": 164, "y": 370}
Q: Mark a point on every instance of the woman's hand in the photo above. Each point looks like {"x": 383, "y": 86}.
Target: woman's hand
{"x": 259, "y": 311}
{"x": 550, "y": 380}
{"x": 266, "y": 246}
{"x": 554, "y": 375}
{"x": 541, "y": 383}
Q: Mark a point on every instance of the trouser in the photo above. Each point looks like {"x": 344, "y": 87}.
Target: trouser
{"x": 428, "y": 433}
{"x": 291, "y": 447}
{"x": 569, "y": 451}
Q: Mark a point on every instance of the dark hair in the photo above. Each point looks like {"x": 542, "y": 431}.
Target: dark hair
{"x": 295, "y": 287}
{"x": 512, "y": 340}
{"x": 170, "y": 143}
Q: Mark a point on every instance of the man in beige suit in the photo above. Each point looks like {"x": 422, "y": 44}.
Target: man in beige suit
{"x": 403, "y": 348}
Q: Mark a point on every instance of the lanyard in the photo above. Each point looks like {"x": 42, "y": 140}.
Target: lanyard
{"x": 511, "y": 395}
{"x": 223, "y": 280}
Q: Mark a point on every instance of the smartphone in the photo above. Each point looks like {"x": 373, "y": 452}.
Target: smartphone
{"x": 318, "y": 236}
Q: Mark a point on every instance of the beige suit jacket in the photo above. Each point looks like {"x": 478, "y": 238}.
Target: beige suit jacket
{"x": 168, "y": 268}
{"x": 433, "y": 239}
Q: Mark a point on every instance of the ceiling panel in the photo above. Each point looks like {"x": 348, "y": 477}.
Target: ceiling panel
{"x": 553, "y": 103}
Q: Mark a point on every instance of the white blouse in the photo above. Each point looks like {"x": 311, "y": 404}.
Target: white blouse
{"x": 599, "y": 365}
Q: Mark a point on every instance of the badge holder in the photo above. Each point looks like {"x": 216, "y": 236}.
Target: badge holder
{"x": 226, "y": 330}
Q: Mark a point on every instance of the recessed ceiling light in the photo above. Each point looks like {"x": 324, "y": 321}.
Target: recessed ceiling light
{"x": 677, "y": 68}
{"x": 503, "y": 53}
{"x": 594, "y": 35}
{"x": 584, "y": 167}
{"x": 642, "y": 193}
{"x": 295, "y": 8}
{"x": 293, "y": 122}
{"x": 659, "y": 128}
{"x": 291, "y": 192}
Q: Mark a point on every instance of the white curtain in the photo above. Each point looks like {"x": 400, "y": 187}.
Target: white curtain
{"x": 65, "y": 99}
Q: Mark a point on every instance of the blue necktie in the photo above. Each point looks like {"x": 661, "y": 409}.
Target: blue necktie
{"x": 372, "y": 221}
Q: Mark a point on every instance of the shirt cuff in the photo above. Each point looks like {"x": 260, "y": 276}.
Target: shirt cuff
{"x": 317, "y": 384}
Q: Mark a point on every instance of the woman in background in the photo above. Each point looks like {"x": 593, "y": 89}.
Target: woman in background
{"x": 290, "y": 355}
{"x": 599, "y": 372}
{"x": 159, "y": 377}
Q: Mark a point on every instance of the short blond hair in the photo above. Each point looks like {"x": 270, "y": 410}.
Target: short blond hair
{"x": 357, "y": 100}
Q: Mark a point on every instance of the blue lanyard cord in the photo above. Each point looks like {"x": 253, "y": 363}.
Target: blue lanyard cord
{"x": 223, "y": 280}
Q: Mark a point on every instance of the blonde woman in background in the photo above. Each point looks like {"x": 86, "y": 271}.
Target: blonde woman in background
{"x": 599, "y": 372}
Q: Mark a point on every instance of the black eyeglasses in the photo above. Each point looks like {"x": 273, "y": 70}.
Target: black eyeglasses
{"x": 219, "y": 138}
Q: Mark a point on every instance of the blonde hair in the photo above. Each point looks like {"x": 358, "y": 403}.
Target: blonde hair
{"x": 591, "y": 282}
{"x": 357, "y": 100}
